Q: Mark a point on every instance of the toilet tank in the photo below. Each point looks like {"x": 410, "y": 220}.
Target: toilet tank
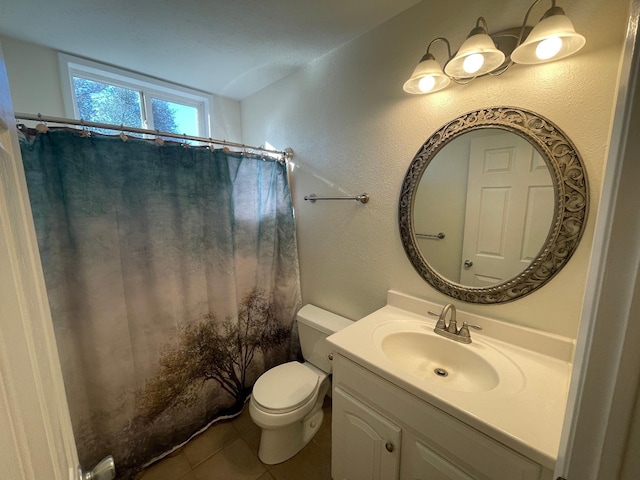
{"x": 314, "y": 326}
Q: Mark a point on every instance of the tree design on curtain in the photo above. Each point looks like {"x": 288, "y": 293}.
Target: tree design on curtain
{"x": 213, "y": 351}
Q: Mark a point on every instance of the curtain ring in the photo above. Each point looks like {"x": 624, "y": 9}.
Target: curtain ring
{"x": 123, "y": 136}
{"x": 41, "y": 127}
{"x": 85, "y": 133}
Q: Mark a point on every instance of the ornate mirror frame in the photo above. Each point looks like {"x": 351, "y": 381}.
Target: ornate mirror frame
{"x": 571, "y": 192}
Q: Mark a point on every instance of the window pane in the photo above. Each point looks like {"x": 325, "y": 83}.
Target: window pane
{"x": 102, "y": 102}
{"x": 174, "y": 117}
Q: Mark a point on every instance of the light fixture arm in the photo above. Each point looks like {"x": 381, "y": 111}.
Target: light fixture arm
{"x": 442, "y": 39}
{"x": 480, "y": 29}
{"x": 526, "y": 19}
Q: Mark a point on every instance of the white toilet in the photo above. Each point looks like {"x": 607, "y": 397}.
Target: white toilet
{"x": 287, "y": 400}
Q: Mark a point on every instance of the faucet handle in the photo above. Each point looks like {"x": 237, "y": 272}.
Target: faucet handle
{"x": 472, "y": 325}
{"x": 464, "y": 331}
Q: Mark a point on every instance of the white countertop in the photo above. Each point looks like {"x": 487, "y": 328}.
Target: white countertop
{"x": 527, "y": 415}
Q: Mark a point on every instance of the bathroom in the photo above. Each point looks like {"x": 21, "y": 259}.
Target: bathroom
{"x": 354, "y": 130}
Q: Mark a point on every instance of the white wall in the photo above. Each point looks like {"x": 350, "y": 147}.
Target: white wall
{"x": 33, "y": 78}
{"x": 354, "y": 130}
{"x": 35, "y": 84}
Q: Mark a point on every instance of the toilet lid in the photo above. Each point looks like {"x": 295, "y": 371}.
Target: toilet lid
{"x": 285, "y": 387}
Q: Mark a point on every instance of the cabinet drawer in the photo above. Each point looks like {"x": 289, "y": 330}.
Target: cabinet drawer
{"x": 469, "y": 450}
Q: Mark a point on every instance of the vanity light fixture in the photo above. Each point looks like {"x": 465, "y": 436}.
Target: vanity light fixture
{"x": 428, "y": 76}
{"x": 477, "y": 56}
{"x": 551, "y": 39}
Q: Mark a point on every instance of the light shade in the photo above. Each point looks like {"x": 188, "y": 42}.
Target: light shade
{"x": 427, "y": 77}
{"x": 551, "y": 39}
{"x": 477, "y": 55}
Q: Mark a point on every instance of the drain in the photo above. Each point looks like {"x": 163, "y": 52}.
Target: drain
{"x": 441, "y": 372}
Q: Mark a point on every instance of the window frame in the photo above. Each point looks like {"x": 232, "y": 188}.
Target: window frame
{"x": 149, "y": 87}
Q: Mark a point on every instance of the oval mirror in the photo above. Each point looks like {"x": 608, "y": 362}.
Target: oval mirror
{"x": 493, "y": 205}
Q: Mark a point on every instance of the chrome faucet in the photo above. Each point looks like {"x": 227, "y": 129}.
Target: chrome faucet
{"x": 451, "y": 330}
{"x": 442, "y": 319}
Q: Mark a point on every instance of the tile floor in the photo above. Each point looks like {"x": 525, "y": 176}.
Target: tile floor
{"x": 229, "y": 451}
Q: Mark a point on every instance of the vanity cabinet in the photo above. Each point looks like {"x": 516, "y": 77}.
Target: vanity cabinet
{"x": 369, "y": 444}
{"x": 381, "y": 431}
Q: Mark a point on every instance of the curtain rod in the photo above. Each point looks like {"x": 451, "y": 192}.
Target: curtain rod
{"x": 287, "y": 153}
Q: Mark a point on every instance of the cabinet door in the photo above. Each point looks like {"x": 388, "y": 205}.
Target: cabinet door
{"x": 365, "y": 445}
{"x": 422, "y": 463}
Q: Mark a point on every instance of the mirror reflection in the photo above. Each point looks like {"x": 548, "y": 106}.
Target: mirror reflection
{"x": 490, "y": 193}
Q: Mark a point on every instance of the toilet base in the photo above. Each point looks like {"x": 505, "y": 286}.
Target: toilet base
{"x": 282, "y": 435}
{"x": 280, "y": 444}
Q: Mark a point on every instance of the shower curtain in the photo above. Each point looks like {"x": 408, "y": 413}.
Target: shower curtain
{"x": 172, "y": 277}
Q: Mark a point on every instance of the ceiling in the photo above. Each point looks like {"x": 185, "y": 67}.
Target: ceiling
{"x": 231, "y": 48}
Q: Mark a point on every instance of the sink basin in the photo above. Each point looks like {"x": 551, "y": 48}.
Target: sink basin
{"x": 440, "y": 360}
{"x": 444, "y": 363}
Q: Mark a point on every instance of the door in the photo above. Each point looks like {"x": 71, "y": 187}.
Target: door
{"x": 36, "y": 439}
{"x": 510, "y": 204}
{"x": 601, "y": 434}
{"x": 365, "y": 446}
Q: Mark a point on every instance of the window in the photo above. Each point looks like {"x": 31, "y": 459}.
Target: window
{"x": 100, "y": 93}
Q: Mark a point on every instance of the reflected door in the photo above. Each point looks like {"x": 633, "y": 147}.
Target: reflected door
{"x": 510, "y": 206}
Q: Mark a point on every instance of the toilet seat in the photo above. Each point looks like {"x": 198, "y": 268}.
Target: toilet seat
{"x": 285, "y": 387}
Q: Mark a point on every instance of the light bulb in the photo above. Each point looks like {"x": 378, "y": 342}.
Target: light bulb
{"x": 426, "y": 83}
{"x": 548, "y": 48}
{"x": 472, "y": 63}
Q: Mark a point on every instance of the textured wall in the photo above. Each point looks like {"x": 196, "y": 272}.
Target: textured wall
{"x": 34, "y": 78}
{"x": 354, "y": 130}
